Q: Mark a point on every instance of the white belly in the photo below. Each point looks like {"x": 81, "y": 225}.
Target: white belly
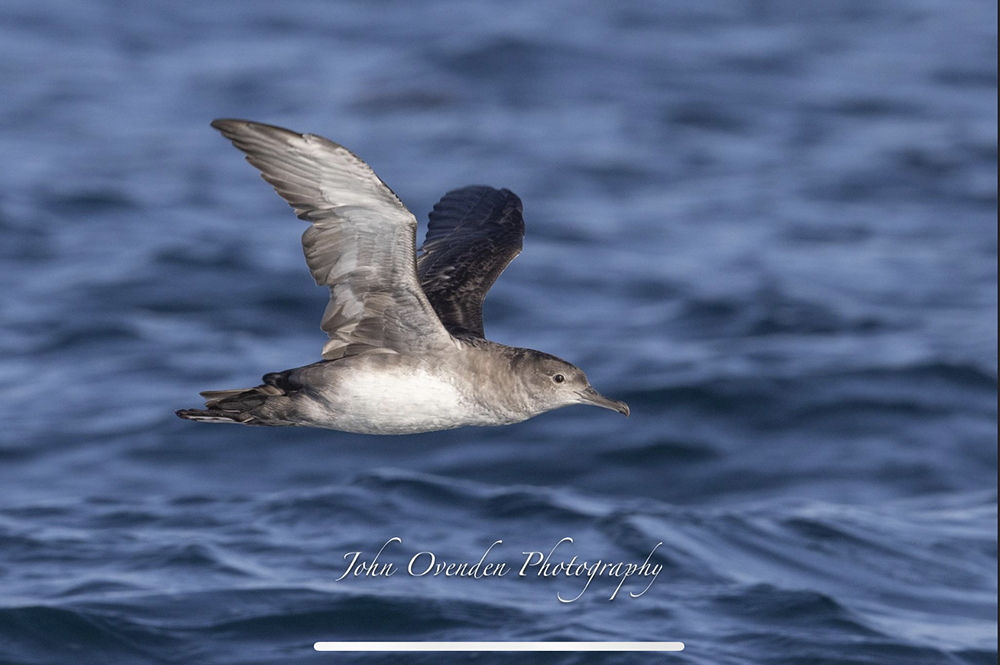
{"x": 391, "y": 402}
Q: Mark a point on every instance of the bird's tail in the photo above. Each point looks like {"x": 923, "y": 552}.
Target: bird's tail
{"x": 243, "y": 406}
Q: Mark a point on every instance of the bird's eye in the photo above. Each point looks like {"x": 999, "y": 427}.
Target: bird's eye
{"x": 558, "y": 378}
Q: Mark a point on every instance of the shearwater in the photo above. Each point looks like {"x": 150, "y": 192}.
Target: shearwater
{"x": 407, "y": 352}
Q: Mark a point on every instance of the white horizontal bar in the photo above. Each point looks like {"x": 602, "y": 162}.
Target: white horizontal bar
{"x": 499, "y": 646}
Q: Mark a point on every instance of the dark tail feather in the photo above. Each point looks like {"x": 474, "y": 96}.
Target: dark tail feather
{"x": 217, "y": 416}
{"x": 242, "y": 405}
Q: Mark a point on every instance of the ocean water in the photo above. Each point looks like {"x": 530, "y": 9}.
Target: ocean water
{"x": 769, "y": 226}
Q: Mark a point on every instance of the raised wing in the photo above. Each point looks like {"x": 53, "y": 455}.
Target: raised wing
{"x": 474, "y": 233}
{"x": 361, "y": 243}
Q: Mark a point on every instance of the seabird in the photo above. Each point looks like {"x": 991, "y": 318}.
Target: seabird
{"x": 407, "y": 352}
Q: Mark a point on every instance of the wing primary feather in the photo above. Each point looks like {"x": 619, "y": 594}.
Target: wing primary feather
{"x": 361, "y": 243}
{"x": 472, "y": 236}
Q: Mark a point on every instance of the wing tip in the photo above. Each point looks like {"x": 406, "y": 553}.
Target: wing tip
{"x": 232, "y": 128}
{"x": 226, "y": 125}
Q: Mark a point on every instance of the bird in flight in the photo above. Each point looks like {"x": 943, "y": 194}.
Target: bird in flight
{"x": 406, "y": 350}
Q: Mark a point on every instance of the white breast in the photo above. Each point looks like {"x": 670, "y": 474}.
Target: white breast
{"x": 399, "y": 402}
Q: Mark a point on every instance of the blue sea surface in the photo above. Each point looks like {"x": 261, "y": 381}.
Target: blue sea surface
{"x": 769, "y": 226}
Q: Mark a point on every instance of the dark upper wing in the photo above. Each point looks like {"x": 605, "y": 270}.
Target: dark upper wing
{"x": 474, "y": 233}
{"x": 361, "y": 243}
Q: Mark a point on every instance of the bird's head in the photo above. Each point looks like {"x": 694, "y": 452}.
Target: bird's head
{"x": 554, "y": 383}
